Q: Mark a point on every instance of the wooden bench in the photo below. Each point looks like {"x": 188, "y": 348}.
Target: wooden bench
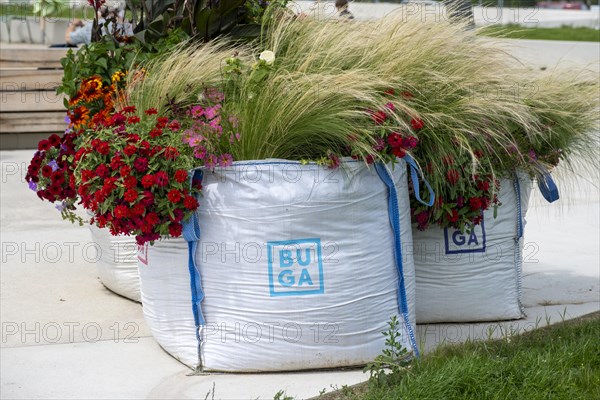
{"x": 30, "y": 110}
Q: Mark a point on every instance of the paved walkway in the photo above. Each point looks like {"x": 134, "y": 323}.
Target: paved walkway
{"x": 65, "y": 336}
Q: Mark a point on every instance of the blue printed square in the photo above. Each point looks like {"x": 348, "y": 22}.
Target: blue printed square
{"x": 295, "y": 267}
{"x": 458, "y": 242}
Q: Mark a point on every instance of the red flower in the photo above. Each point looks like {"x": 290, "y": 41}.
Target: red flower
{"x": 117, "y": 119}
{"x": 161, "y": 122}
{"x": 148, "y": 198}
{"x": 453, "y": 176}
{"x": 190, "y": 202}
{"x": 129, "y": 182}
{"x": 453, "y": 218}
{"x": 399, "y": 152}
{"x": 44, "y": 145}
{"x": 102, "y": 171}
{"x": 379, "y": 117}
{"x": 410, "y": 142}
{"x": 151, "y": 111}
{"x": 422, "y": 217}
{"x": 483, "y": 185}
{"x": 174, "y": 196}
{"x": 174, "y": 125}
{"x": 54, "y": 140}
{"x": 138, "y": 209}
{"x": 417, "y": 123}
{"x": 407, "y": 95}
{"x": 181, "y": 175}
{"x": 161, "y": 178}
{"x": 171, "y": 153}
{"x": 475, "y": 203}
{"x": 152, "y": 218}
{"x": 129, "y": 150}
{"x": 125, "y": 170}
{"x": 478, "y": 154}
{"x": 121, "y": 211}
{"x": 390, "y": 106}
{"x": 148, "y": 181}
{"x": 156, "y": 132}
{"x": 47, "y": 171}
{"x": 130, "y": 195}
{"x": 134, "y": 119}
{"x": 116, "y": 162}
{"x": 129, "y": 110}
{"x": 103, "y": 148}
{"x": 394, "y": 139}
{"x": 391, "y": 92}
{"x": 141, "y": 164}
{"x": 175, "y": 229}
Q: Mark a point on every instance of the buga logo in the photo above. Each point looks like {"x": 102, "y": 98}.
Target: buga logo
{"x": 295, "y": 267}
{"x": 465, "y": 242}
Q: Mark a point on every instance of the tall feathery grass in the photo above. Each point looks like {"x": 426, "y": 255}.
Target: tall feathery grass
{"x": 468, "y": 92}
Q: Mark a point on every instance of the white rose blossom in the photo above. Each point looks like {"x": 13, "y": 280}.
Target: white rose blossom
{"x": 267, "y": 56}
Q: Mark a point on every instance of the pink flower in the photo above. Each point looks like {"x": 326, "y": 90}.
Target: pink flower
{"x": 225, "y": 160}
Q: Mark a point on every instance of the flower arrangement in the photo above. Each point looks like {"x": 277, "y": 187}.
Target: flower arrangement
{"x": 316, "y": 91}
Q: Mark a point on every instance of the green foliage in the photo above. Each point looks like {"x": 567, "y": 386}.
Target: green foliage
{"x": 558, "y": 362}
{"x": 49, "y": 8}
{"x": 512, "y": 31}
{"x": 394, "y": 358}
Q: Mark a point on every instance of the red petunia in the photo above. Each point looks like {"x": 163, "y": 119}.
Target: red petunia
{"x": 54, "y": 140}
{"x": 151, "y": 111}
{"x": 171, "y": 153}
{"x": 134, "y": 119}
{"x": 181, "y": 175}
{"x": 47, "y": 171}
{"x": 103, "y": 148}
{"x": 129, "y": 109}
{"x": 174, "y": 196}
{"x": 417, "y": 123}
{"x": 44, "y": 145}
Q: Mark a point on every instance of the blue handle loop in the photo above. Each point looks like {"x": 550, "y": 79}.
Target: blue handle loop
{"x": 394, "y": 216}
{"x": 547, "y": 186}
{"x": 191, "y": 233}
{"x": 414, "y": 177}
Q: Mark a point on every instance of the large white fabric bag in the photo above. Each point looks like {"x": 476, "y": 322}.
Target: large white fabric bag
{"x": 117, "y": 263}
{"x": 476, "y": 276}
{"x": 294, "y": 267}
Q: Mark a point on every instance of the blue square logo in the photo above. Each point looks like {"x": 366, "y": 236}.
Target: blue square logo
{"x": 458, "y": 242}
{"x": 295, "y": 267}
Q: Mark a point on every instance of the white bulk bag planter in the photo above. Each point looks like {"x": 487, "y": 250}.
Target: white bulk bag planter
{"x": 293, "y": 267}
{"x": 117, "y": 263}
{"x": 467, "y": 277}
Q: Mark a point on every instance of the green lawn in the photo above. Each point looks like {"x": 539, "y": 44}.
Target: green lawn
{"x": 557, "y": 362}
{"x": 563, "y": 33}
{"x": 26, "y": 10}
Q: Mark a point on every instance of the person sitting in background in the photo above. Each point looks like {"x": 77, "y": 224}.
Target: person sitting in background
{"x": 80, "y": 32}
{"x": 342, "y": 7}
